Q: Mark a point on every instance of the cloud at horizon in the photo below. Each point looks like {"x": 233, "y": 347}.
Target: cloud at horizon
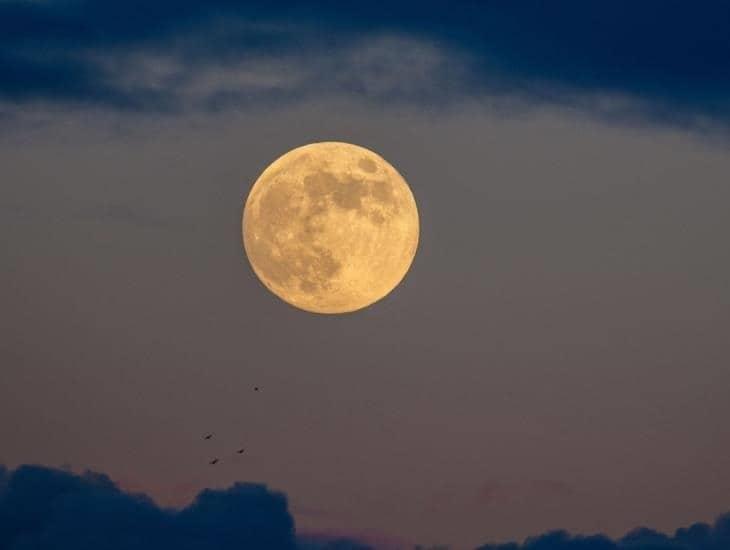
{"x": 43, "y": 507}
{"x": 658, "y": 61}
{"x": 699, "y": 536}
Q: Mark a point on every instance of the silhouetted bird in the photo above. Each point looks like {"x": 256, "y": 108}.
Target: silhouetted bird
{"x": 255, "y": 388}
{"x": 208, "y": 436}
{"x": 214, "y": 461}
{"x": 240, "y": 451}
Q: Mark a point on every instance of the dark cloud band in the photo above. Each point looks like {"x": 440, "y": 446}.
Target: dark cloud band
{"x": 697, "y": 537}
{"x": 45, "y": 508}
{"x": 665, "y": 61}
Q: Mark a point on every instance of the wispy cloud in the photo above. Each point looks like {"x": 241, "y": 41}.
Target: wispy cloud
{"x": 659, "y": 61}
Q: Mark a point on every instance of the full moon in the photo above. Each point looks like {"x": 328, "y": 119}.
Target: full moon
{"x": 330, "y": 227}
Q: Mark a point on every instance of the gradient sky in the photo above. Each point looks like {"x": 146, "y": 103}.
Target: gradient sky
{"x": 557, "y": 357}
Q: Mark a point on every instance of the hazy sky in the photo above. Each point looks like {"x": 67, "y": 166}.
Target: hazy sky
{"x": 556, "y": 357}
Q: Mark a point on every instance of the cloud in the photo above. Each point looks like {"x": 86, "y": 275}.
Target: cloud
{"x": 3, "y": 479}
{"x": 334, "y": 539}
{"x": 43, "y": 508}
{"x": 654, "y": 60}
{"x": 699, "y": 536}
{"x": 336, "y": 543}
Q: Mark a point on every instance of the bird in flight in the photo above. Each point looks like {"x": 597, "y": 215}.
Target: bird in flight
{"x": 207, "y": 436}
{"x": 214, "y": 461}
{"x": 240, "y": 451}
{"x": 255, "y": 388}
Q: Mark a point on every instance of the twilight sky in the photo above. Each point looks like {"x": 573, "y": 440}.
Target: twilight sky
{"x": 557, "y": 357}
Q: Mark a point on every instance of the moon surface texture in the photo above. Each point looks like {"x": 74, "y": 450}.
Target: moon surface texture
{"x": 330, "y": 227}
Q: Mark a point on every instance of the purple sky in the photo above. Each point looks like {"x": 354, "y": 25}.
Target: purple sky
{"x": 557, "y": 357}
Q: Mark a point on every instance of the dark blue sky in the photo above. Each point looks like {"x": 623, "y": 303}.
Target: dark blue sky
{"x": 664, "y": 61}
